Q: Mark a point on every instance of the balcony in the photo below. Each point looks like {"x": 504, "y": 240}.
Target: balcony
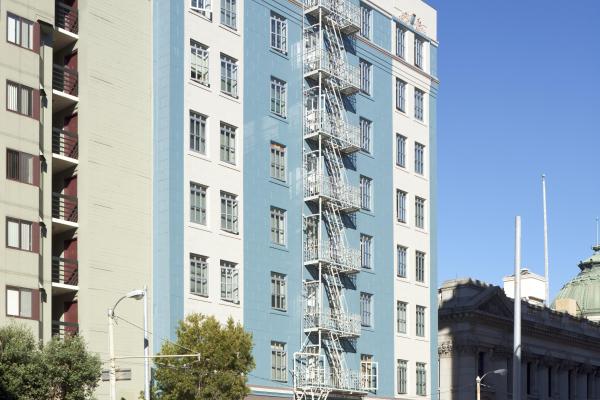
{"x": 323, "y": 121}
{"x": 64, "y": 212}
{"x": 346, "y": 76}
{"x": 344, "y": 325}
{"x": 343, "y": 13}
{"x": 63, "y": 329}
{"x": 309, "y": 374}
{"x": 318, "y": 185}
{"x": 65, "y": 87}
{"x": 65, "y": 275}
{"x": 346, "y": 260}
{"x": 65, "y": 150}
{"x": 66, "y": 22}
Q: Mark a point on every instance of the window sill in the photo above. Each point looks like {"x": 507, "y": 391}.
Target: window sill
{"x": 420, "y": 122}
{"x": 279, "y": 247}
{"x": 367, "y": 96}
{"x": 367, "y": 270}
{"x": 230, "y": 29}
{"x": 422, "y": 284}
{"x": 400, "y": 112}
{"x": 198, "y": 155}
{"x": 200, "y": 85}
{"x": 230, "y": 235}
{"x": 225, "y": 164}
{"x": 230, "y": 303}
{"x": 199, "y": 297}
{"x": 282, "y": 313}
{"x": 367, "y": 328}
{"x": 279, "y": 53}
{"x": 369, "y": 213}
{"x": 402, "y": 168}
{"x": 230, "y": 97}
{"x": 402, "y": 279}
{"x": 275, "y": 181}
{"x": 199, "y": 227}
{"x": 366, "y": 153}
{"x": 278, "y": 117}
{"x": 421, "y": 230}
{"x": 201, "y": 15}
{"x": 421, "y": 177}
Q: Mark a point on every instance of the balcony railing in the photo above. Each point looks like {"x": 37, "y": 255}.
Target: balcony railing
{"x": 65, "y": 143}
{"x": 311, "y": 375}
{"x": 66, "y": 17}
{"x": 62, "y": 329}
{"x": 65, "y": 271}
{"x": 65, "y": 80}
{"x": 316, "y": 184}
{"x": 320, "y": 121}
{"x": 64, "y": 207}
{"x": 347, "y": 260}
{"x": 317, "y": 59}
{"x": 345, "y": 325}
{"x": 343, "y": 12}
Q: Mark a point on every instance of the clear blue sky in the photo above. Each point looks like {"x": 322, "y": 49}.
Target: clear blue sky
{"x": 519, "y": 96}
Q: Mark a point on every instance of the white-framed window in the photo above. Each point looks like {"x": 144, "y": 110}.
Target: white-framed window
{"x": 419, "y": 158}
{"x": 368, "y": 373}
{"x": 278, "y": 362}
{"x": 400, "y": 150}
{"x": 278, "y": 162}
{"x": 419, "y": 104}
{"x": 366, "y": 309}
{"x": 229, "y": 282}
{"x": 228, "y": 147}
{"x": 278, "y": 291}
{"x": 229, "y": 13}
{"x": 19, "y": 31}
{"x": 19, "y": 98}
{"x": 420, "y": 212}
{"x": 401, "y": 205}
{"x": 365, "y": 192}
{"x": 202, "y": 6}
{"x": 198, "y": 132}
{"x": 18, "y": 234}
{"x": 199, "y": 63}
{"x": 278, "y": 97}
{"x": 365, "y": 134}
{"x": 19, "y": 302}
{"x": 279, "y": 33}
{"x": 365, "y": 21}
{"x": 19, "y": 166}
{"x": 278, "y": 226}
{"x": 400, "y": 41}
{"x": 229, "y": 212}
{"x": 400, "y": 95}
{"x": 401, "y": 253}
{"x": 420, "y": 321}
{"x": 197, "y": 203}
{"x": 401, "y": 308}
{"x": 366, "y": 73}
{"x": 418, "y": 51}
{"x": 421, "y": 379}
{"x": 420, "y": 266}
{"x": 198, "y": 275}
{"x": 229, "y": 75}
{"x": 402, "y": 376}
{"x": 366, "y": 251}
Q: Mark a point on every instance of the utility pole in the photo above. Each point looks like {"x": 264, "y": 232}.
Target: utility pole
{"x": 111, "y": 350}
{"x": 545, "y": 241}
{"x": 146, "y": 348}
{"x": 516, "y": 378}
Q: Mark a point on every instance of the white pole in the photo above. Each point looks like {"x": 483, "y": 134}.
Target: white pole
{"x": 547, "y": 300}
{"x": 146, "y": 348}
{"x": 517, "y": 322}
{"x": 111, "y": 350}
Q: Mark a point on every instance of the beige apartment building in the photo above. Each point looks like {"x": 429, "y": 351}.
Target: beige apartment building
{"x": 76, "y": 149}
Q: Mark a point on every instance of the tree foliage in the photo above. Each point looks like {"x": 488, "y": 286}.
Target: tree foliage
{"x": 60, "y": 370}
{"x": 221, "y": 370}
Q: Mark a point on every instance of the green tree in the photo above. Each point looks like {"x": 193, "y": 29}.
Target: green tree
{"x": 221, "y": 370}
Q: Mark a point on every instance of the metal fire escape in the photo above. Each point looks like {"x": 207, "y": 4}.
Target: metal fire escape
{"x": 320, "y": 367}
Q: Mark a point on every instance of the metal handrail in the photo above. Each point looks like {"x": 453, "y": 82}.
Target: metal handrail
{"x": 65, "y": 79}
{"x": 346, "y": 259}
{"x": 65, "y": 271}
{"x": 64, "y": 207}
{"x": 316, "y": 184}
{"x": 345, "y": 13}
{"x": 65, "y": 143}
{"x": 66, "y": 17}
{"x": 62, "y": 329}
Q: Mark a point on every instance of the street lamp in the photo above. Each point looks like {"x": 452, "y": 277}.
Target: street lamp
{"x": 136, "y": 295}
{"x": 501, "y": 372}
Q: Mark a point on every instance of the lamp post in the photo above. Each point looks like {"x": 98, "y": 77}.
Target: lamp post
{"x": 136, "y": 295}
{"x": 500, "y": 372}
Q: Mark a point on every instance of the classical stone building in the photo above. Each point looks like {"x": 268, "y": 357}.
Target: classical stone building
{"x": 561, "y": 352}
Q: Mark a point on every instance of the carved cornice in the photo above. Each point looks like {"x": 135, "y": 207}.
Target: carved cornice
{"x": 412, "y": 20}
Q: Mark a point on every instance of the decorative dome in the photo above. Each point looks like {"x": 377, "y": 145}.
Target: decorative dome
{"x": 585, "y": 288}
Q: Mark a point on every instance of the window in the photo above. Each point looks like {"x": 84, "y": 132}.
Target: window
{"x": 368, "y": 373}
{"x": 420, "y": 331}
{"x": 365, "y": 134}
{"x": 401, "y": 254}
{"x": 278, "y": 362}
{"x": 199, "y": 63}
{"x": 421, "y": 379}
{"x": 419, "y": 96}
{"x": 418, "y": 52}
{"x": 229, "y": 282}
{"x": 365, "y": 192}
{"x": 229, "y": 212}
{"x": 278, "y": 164}
{"x": 420, "y": 212}
{"x": 19, "y": 31}
{"x": 400, "y": 36}
{"x": 197, "y": 132}
{"x": 400, "y": 95}
{"x": 400, "y": 150}
{"x": 401, "y": 316}
{"x": 366, "y": 251}
{"x": 197, "y": 203}
{"x": 420, "y": 266}
{"x": 19, "y": 234}
{"x": 365, "y": 21}
{"x": 366, "y": 310}
{"x": 198, "y": 275}
{"x": 228, "y": 143}
{"x": 278, "y": 291}
{"x": 202, "y": 7}
{"x": 229, "y": 13}
{"x": 419, "y": 158}
{"x": 365, "y": 76}
{"x": 278, "y": 226}
{"x": 401, "y": 206}
{"x": 278, "y": 97}
{"x": 19, "y": 166}
{"x": 229, "y": 84}
{"x": 21, "y": 303}
{"x": 278, "y": 33}
{"x": 19, "y": 98}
